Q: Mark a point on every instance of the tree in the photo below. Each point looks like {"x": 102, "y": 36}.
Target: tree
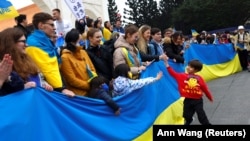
{"x": 113, "y": 11}
{"x": 166, "y": 8}
{"x": 142, "y": 12}
{"x": 210, "y": 15}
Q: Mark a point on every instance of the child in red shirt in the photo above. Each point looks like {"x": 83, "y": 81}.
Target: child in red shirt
{"x": 192, "y": 86}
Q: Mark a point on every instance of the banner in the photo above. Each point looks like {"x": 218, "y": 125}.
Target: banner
{"x": 76, "y": 7}
{"x": 7, "y": 10}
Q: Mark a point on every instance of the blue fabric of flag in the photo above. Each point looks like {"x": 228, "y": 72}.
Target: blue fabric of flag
{"x": 210, "y": 54}
{"x": 7, "y": 10}
{"x": 36, "y": 114}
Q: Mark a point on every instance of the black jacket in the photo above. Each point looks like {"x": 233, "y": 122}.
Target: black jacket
{"x": 25, "y": 30}
{"x": 102, "y": 59}
{"x": 148, "y": 57}
{"x": 173, "y": 51}
{"x": 15, "y": 84}
{"x": 104, "y": 95}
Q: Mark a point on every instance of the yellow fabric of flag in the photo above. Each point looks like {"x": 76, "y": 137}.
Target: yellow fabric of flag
{"x": 7, "y": 10}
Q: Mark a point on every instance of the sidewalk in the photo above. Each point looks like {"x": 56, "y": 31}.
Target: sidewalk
{"x": 231, "y": 100}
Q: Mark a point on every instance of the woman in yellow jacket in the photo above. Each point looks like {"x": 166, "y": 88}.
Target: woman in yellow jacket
{"x": 76, "y": 68}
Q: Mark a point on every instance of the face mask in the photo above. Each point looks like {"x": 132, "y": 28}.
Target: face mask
{"x": 130, "y": 75}
{"x": 105, "y": 87}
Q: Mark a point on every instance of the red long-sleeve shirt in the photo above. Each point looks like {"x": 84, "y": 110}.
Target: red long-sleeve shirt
{"x": 190, "y": 85}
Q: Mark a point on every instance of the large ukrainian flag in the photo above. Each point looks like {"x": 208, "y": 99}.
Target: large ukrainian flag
{"x": 219, "y": 60}
{"x": 7, "y": 10}
{"x": 39, "y": 115}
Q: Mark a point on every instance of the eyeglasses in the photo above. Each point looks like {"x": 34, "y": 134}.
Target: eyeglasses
{"x": 24, "y": 41}
{"x": 51, "y": 24}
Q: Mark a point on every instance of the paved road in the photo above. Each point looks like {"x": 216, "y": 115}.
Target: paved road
{"x": 231, "y": 104}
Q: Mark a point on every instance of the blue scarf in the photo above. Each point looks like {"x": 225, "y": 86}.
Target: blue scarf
{"x": 39, "y": 39}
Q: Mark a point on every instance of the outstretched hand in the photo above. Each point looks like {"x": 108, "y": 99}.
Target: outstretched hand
{"x": 163, "y": 57}
{"x": 166, "y": 63}
{"x": 141, "y": 68}
{"x": 159, "y": 75}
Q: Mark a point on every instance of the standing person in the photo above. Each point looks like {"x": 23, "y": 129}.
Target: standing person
{"x": 145, "y": 47}
{"x": 98, "y": 25}
{"x": 144, "y": 38}
{"x": 99, "y": 55}
{"x": 173, "y": 49}
{"x": 124, "y": 84}
{"x": 126, "y": 52}
{"x": 90, "y": 25}
{"x": 100, "y": 19}
{"x": 106, "y": 31}
{"x": 100, "y": 90}
{"x": 192, "y": 86}
{"x": 44, "y": 53}
{"x": 76, "y": 64}
{"x": 118, "y": 27}
{"x": 22, "y": 23}
{"x": 80, "y": 25}
{"x": 168, "y": 32}
{"x": 62, "y": 26}
{"x": 155, "y": 44}
{"x": 241, "y": 43}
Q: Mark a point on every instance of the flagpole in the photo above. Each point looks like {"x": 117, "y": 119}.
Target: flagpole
{"x": 56, "y": 3}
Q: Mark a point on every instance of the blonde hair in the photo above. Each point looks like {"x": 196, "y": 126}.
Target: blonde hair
{"x": 166, "y": 40}
{"x": 142, "y": 44}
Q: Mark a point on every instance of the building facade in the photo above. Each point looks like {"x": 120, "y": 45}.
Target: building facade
{"x": 93, "y": 8}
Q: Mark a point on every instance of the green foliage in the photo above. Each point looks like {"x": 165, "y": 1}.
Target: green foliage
{"x": 113, "y": 11}
{"x": 142, "y": 12}
{"x": 210, "y": 15}
{"x": 188, "y": 14}
{"x": 166, "y": 8}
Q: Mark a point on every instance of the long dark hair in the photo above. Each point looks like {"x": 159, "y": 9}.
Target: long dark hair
{"x": 71, "y": 37}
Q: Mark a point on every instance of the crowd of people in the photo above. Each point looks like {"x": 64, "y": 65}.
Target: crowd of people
{"x": 101, "y": 61}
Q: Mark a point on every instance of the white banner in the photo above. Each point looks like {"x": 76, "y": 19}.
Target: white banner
{"x": 76, "y": 7}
